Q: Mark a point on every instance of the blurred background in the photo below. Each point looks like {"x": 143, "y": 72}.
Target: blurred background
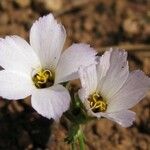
{"x": 102, "y": 24}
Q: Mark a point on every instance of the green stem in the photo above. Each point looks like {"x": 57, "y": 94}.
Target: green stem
{"x": 81, "y": 139}
{"x": 73, "y": 146}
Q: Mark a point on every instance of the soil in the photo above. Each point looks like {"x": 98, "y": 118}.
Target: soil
{"x": 101, "y": 24}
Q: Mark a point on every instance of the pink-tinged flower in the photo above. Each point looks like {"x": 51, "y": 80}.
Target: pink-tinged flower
{"x": 109, "y": 90}
{"x": 38, "y": 68}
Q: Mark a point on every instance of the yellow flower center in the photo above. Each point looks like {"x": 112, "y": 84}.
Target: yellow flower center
{"x": 97, "y": 103}
{"x": 43, "y": 78}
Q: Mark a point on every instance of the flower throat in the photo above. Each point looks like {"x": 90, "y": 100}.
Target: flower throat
{"x": 43, "y": 78}
{"x": 97, "y": 103}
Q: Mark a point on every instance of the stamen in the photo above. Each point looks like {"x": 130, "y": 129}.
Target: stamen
{"x": 97, "y": 103}
{"x": 43, "y": 78}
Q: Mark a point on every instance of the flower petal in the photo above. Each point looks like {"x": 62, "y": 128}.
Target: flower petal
{"x": 16, "y": 54}
{"x": 131, "y": 93}
{"x": 15, "y": 85}
{"x": 74, "y": 57}
{"x": 51, "y": 102}
{"x": 116, "y": 75}
{"x": 103, "y": 65}
{"x": 88, "y": 77}
{"x": 47, "y": 37}
{"x": 125, "y": 117}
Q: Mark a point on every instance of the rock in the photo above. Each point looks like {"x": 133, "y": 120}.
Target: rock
{"x": 89, "y": 24}
{"x": 53, "y": 5}
{"x": 4, "y": 18}
{"x": 22, "y": 3}
{"x": 132, "y": 26}
{"x": 4, "y": 5}
{"x": 147, "y": 29}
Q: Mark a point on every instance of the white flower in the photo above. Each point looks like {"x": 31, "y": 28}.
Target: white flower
{"x": 109, "y": 90}
{"x": 37, "y": 69}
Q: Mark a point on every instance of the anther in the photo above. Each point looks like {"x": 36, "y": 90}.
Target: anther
{"x": 97, "y": 103}
{"x": 43, "y": 78}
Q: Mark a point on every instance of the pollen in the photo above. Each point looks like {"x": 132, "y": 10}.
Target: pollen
{"x": 43, "y": 78}
{"x": 97, "y": 103}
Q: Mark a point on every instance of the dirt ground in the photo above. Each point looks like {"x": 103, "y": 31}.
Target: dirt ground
{"x": 101, "y": 23}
